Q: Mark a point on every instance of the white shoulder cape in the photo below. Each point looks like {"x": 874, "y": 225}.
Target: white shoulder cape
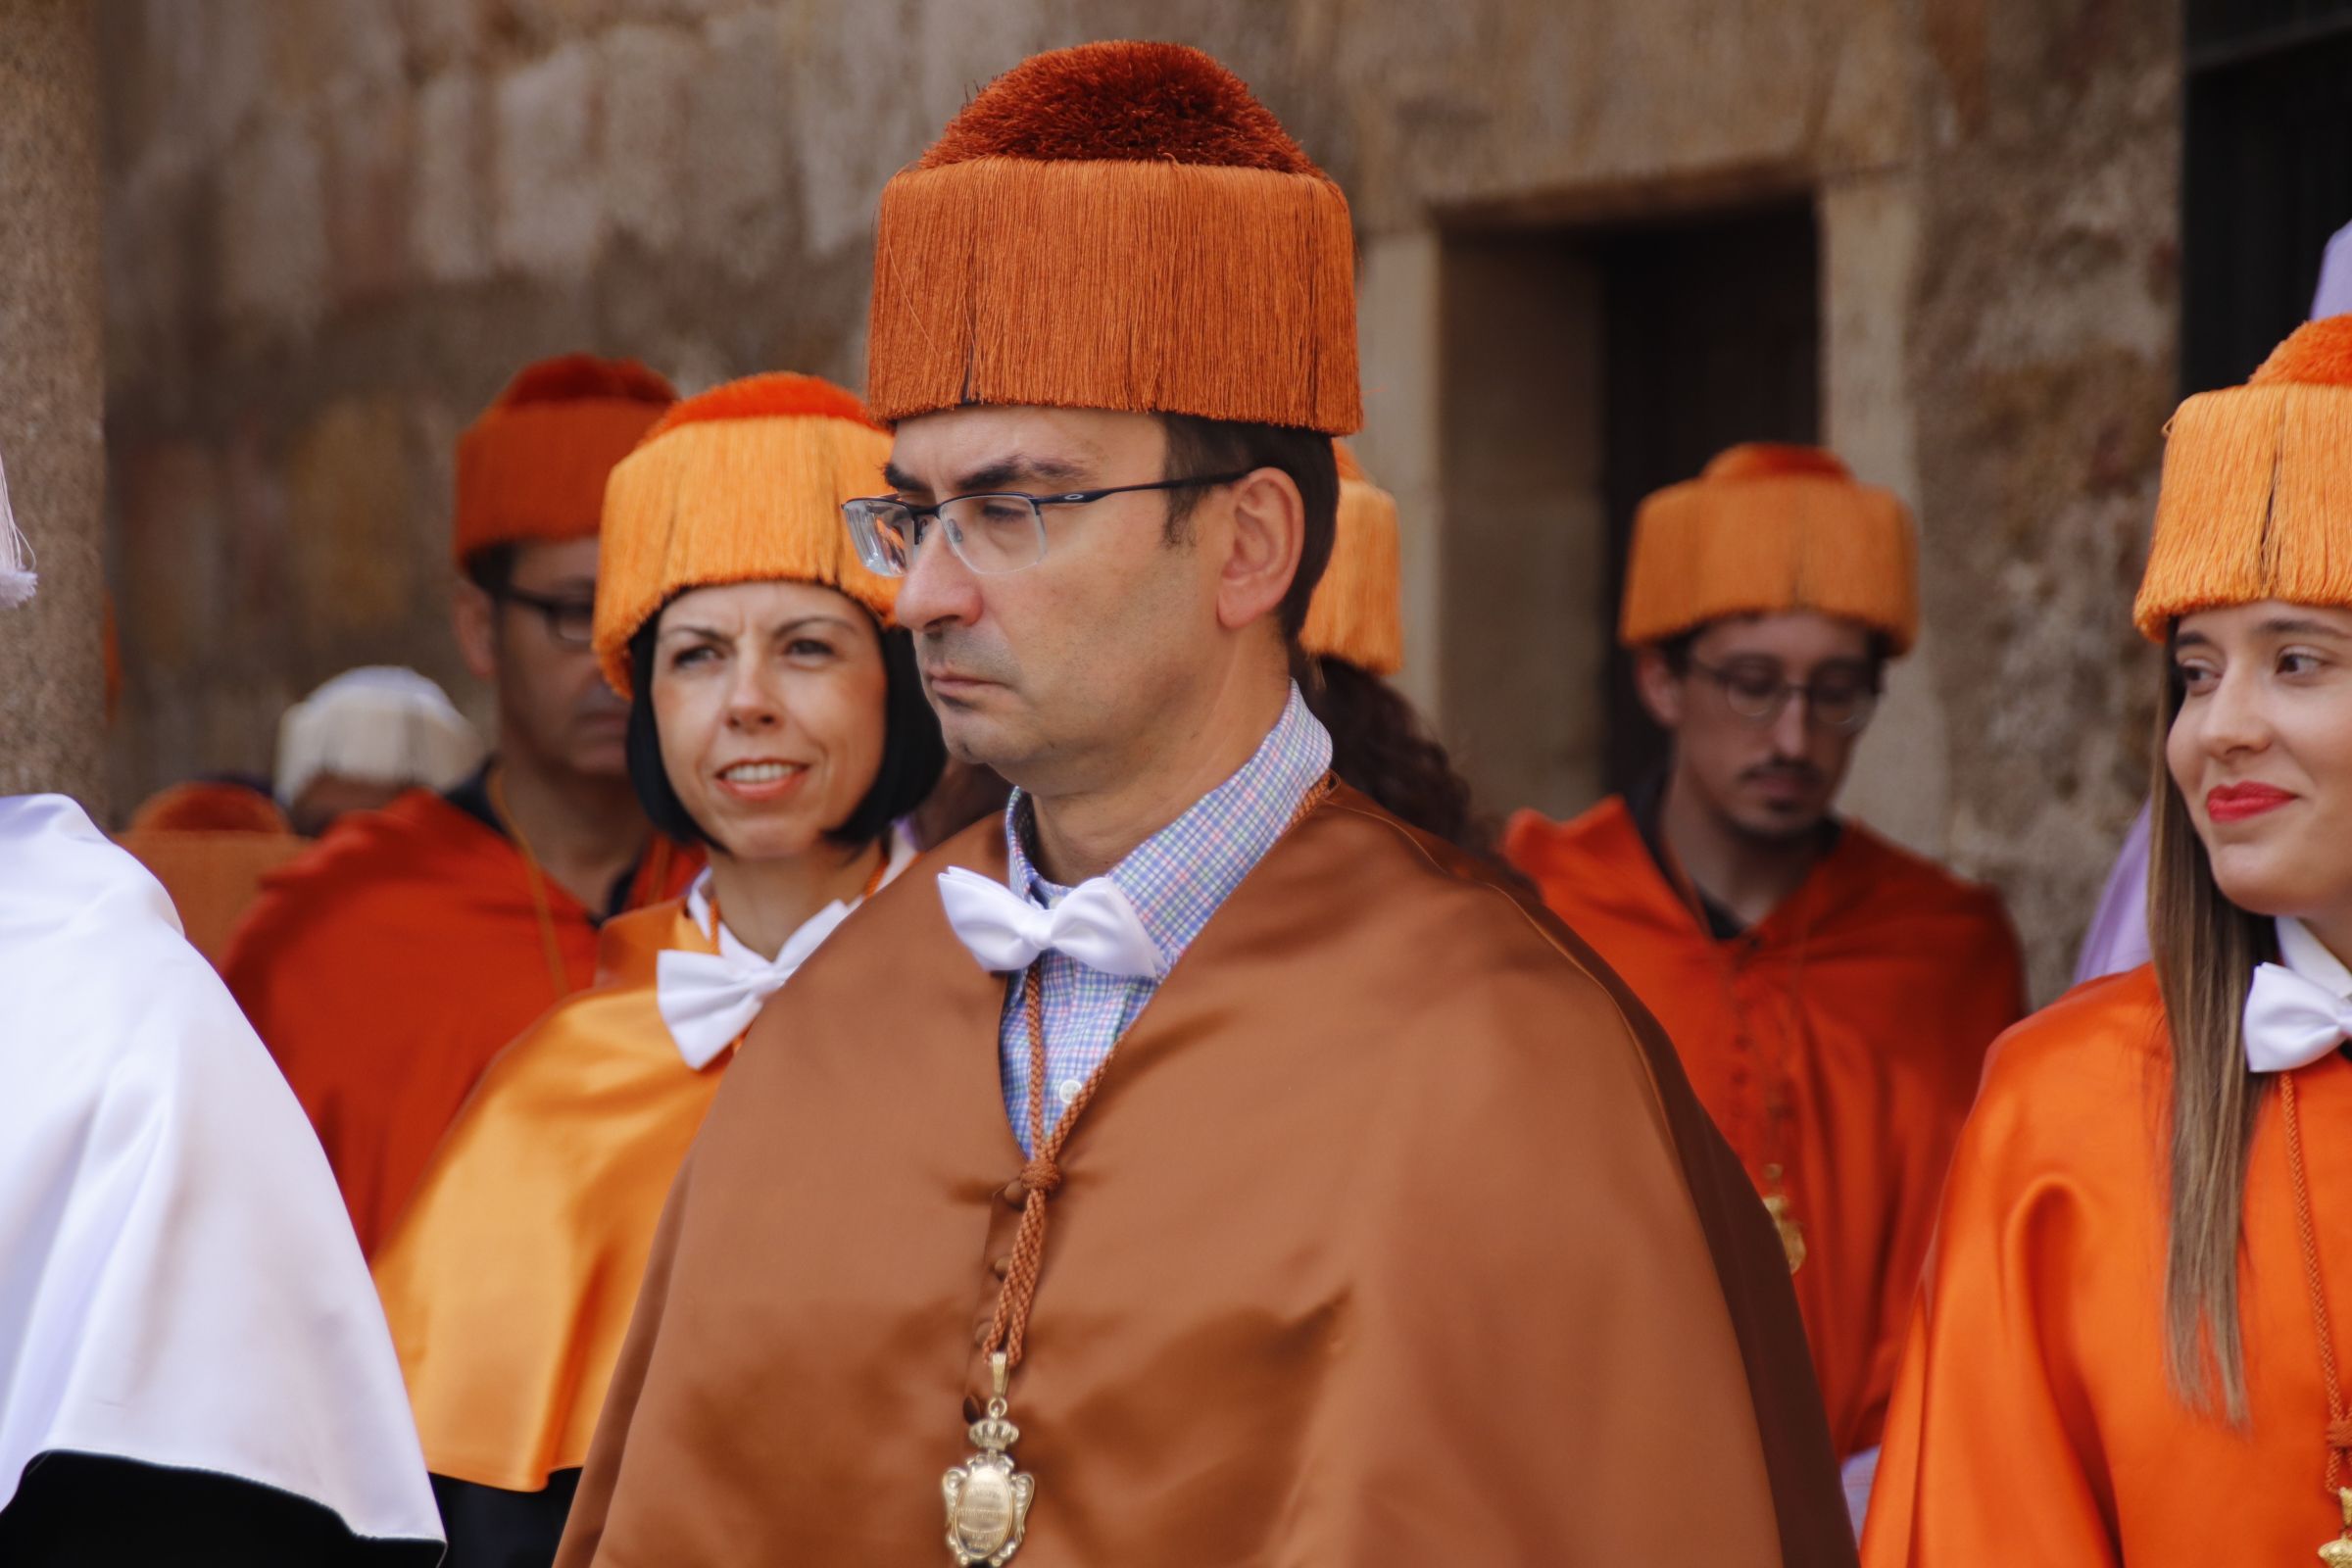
{"x": 179, "y": 1282}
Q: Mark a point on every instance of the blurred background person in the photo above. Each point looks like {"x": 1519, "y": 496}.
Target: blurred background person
{"x": 364, "y": 738}
{"x": 386, "y": 967}
{"x": 210, "y": 842}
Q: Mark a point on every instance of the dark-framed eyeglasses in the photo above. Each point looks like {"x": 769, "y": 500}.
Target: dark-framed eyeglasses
{"x": 569, "y": 621}
{"x": 990, "y": 531}
{"x": 1842, "y": 704}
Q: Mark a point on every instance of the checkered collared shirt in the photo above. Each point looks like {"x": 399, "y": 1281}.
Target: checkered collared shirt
{"x": 1176, "y": 879}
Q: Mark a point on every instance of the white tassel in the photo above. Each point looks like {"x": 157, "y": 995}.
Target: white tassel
{"x": 16, "y": 580}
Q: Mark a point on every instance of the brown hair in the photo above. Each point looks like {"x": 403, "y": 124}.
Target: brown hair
{"x": 2205, "y": 948}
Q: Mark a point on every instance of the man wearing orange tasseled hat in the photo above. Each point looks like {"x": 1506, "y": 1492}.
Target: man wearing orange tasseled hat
{"x": 1194, "y": 1163}
{"x": 1830, "y": 996}
{"x": 386, "y": 966}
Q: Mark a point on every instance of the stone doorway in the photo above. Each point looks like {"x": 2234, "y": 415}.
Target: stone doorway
{"x": 1582, "y": 367}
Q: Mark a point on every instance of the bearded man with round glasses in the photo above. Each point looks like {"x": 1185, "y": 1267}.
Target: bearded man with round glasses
{"x": 1831, "y": 995}
{"x": 1193, "y": 1164}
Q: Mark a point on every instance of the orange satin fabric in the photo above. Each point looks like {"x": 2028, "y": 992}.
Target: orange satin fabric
{"x": 386, "y": 967}
{"x": 1392, "y": 1235}
{"x": 2033, "y": 1422}
{"x": 212, "y": 875}
{"x": 1875, "y": 988}
{"x": 509, "y": 1280}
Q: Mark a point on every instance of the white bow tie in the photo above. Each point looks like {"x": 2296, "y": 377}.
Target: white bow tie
{"x": 1095, "y": 924}
{"x": 2291, "y": 1022}
{"x": 710, "y": 999}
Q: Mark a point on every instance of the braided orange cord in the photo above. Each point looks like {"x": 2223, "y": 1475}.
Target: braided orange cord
{"x": 2339, "y": 1429}
{"x": 1009, "y": 1329}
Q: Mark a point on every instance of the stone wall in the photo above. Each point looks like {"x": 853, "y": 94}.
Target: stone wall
{"x": 334, "y": 231}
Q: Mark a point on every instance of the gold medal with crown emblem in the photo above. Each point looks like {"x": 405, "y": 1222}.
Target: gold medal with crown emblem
{"x": 988, "y": 1500}
{"x": 2337, "y": 1553}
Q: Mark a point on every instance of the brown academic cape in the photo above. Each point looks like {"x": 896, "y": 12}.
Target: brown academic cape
{"x": 1392, "y": 1234}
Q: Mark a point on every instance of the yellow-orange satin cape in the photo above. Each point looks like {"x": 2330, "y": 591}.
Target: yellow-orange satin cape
{"x": 2033, "y": 1422}
{"x": 1871, "y": 994}
{"x": 509, "y": 1280}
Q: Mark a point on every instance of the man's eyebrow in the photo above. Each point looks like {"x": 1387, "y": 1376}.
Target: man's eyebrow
{"x": 1012, "y": 471}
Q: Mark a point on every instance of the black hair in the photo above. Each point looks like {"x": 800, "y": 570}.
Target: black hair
{"x": 1379, "y": 746}
{"x": 1198, "y": 447}
{"x": 491, "y": 569}
{"x": 912, "y": 752}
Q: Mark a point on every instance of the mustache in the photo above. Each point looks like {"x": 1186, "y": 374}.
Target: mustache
{"x": 949, "y": 652}
{"x": 1793, "y": 772}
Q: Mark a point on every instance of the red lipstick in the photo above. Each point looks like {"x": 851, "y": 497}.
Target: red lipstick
{"x": 2234, "y": 802}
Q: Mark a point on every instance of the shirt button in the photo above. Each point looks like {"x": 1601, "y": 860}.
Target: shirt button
{"x": 1017, "y": 1194}
{"x": 1002, "y": 1265}
{"x": 1069, "y": 1088}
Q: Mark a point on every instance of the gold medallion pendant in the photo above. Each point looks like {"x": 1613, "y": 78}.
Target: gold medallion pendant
{"x": 1792, "y": 1235}
{"x": 988, "y": 1500}
{"x": 2337, "y": 1553}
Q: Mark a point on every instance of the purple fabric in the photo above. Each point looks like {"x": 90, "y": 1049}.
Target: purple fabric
{"x": 2118, "y": 939}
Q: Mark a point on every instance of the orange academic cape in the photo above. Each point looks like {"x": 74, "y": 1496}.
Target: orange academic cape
{"x": 2033, "y": 1422}
{"x": 510, "y": 1279}
{"x": 211, "y": 874}
{"x": 1392, "y": 1236}
{"x": 1874, "y": 990}
{"x": 386, "y": 966}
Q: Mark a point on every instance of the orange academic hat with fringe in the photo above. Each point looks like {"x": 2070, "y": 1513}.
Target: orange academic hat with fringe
{"x": 743, "y": 483}
{"x": 1117, "y": 226}
{"x": 2257, "y": 496}
{"x": 532, "y": 468}
{"x": 1766, "y": 530}
{"x": 1357, "y": 612}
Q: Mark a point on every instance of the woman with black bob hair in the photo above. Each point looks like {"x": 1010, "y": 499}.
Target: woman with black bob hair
{"x": 776, "y": 719}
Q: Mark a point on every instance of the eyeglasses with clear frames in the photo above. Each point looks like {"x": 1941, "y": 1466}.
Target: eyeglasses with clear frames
{"x": 1842, "y": 704}
{"x": 993, "y": 532}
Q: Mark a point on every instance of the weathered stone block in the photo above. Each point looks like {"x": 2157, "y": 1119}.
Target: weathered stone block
{"x": 369, "y": 142}
{"x": 271, "y": 238}
{"x": 449, "y": 215}
{"x": 353, "y": 554}
{"x": 647, "y": 77}
{"x": 548, "y": 212}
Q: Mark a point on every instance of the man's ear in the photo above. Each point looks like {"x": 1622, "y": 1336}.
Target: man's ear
{"x": 473, "y": 617}
{"x": 1659, "y": 687}
{"x": 1267, "y": 535}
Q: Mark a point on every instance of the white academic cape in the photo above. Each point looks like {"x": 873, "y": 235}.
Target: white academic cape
{"x": 179, "y": 1285}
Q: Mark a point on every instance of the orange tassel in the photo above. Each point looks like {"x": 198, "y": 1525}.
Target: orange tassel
{"x": 2257, "y": 496}
{"x": 1768, "y": 530}
{"x": 720, "y": 495}
{"x": 533, "y": 467}
{"x": 1357, "y": 612}
{"x": 1220, "y": 292}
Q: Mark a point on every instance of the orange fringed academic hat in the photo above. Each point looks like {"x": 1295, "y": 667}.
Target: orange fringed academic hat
{"x": 743, "y": 483}
{"x": 1117, "y": 226}
{"x": 1357, "y": 612}
{"x": 2257, "y": 493}
{"x": 1767, "y": 530}
{"x": 532, "y": 468}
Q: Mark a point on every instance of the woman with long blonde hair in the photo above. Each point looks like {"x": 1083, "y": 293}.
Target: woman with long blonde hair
{"x": 2127, "y": 1350}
